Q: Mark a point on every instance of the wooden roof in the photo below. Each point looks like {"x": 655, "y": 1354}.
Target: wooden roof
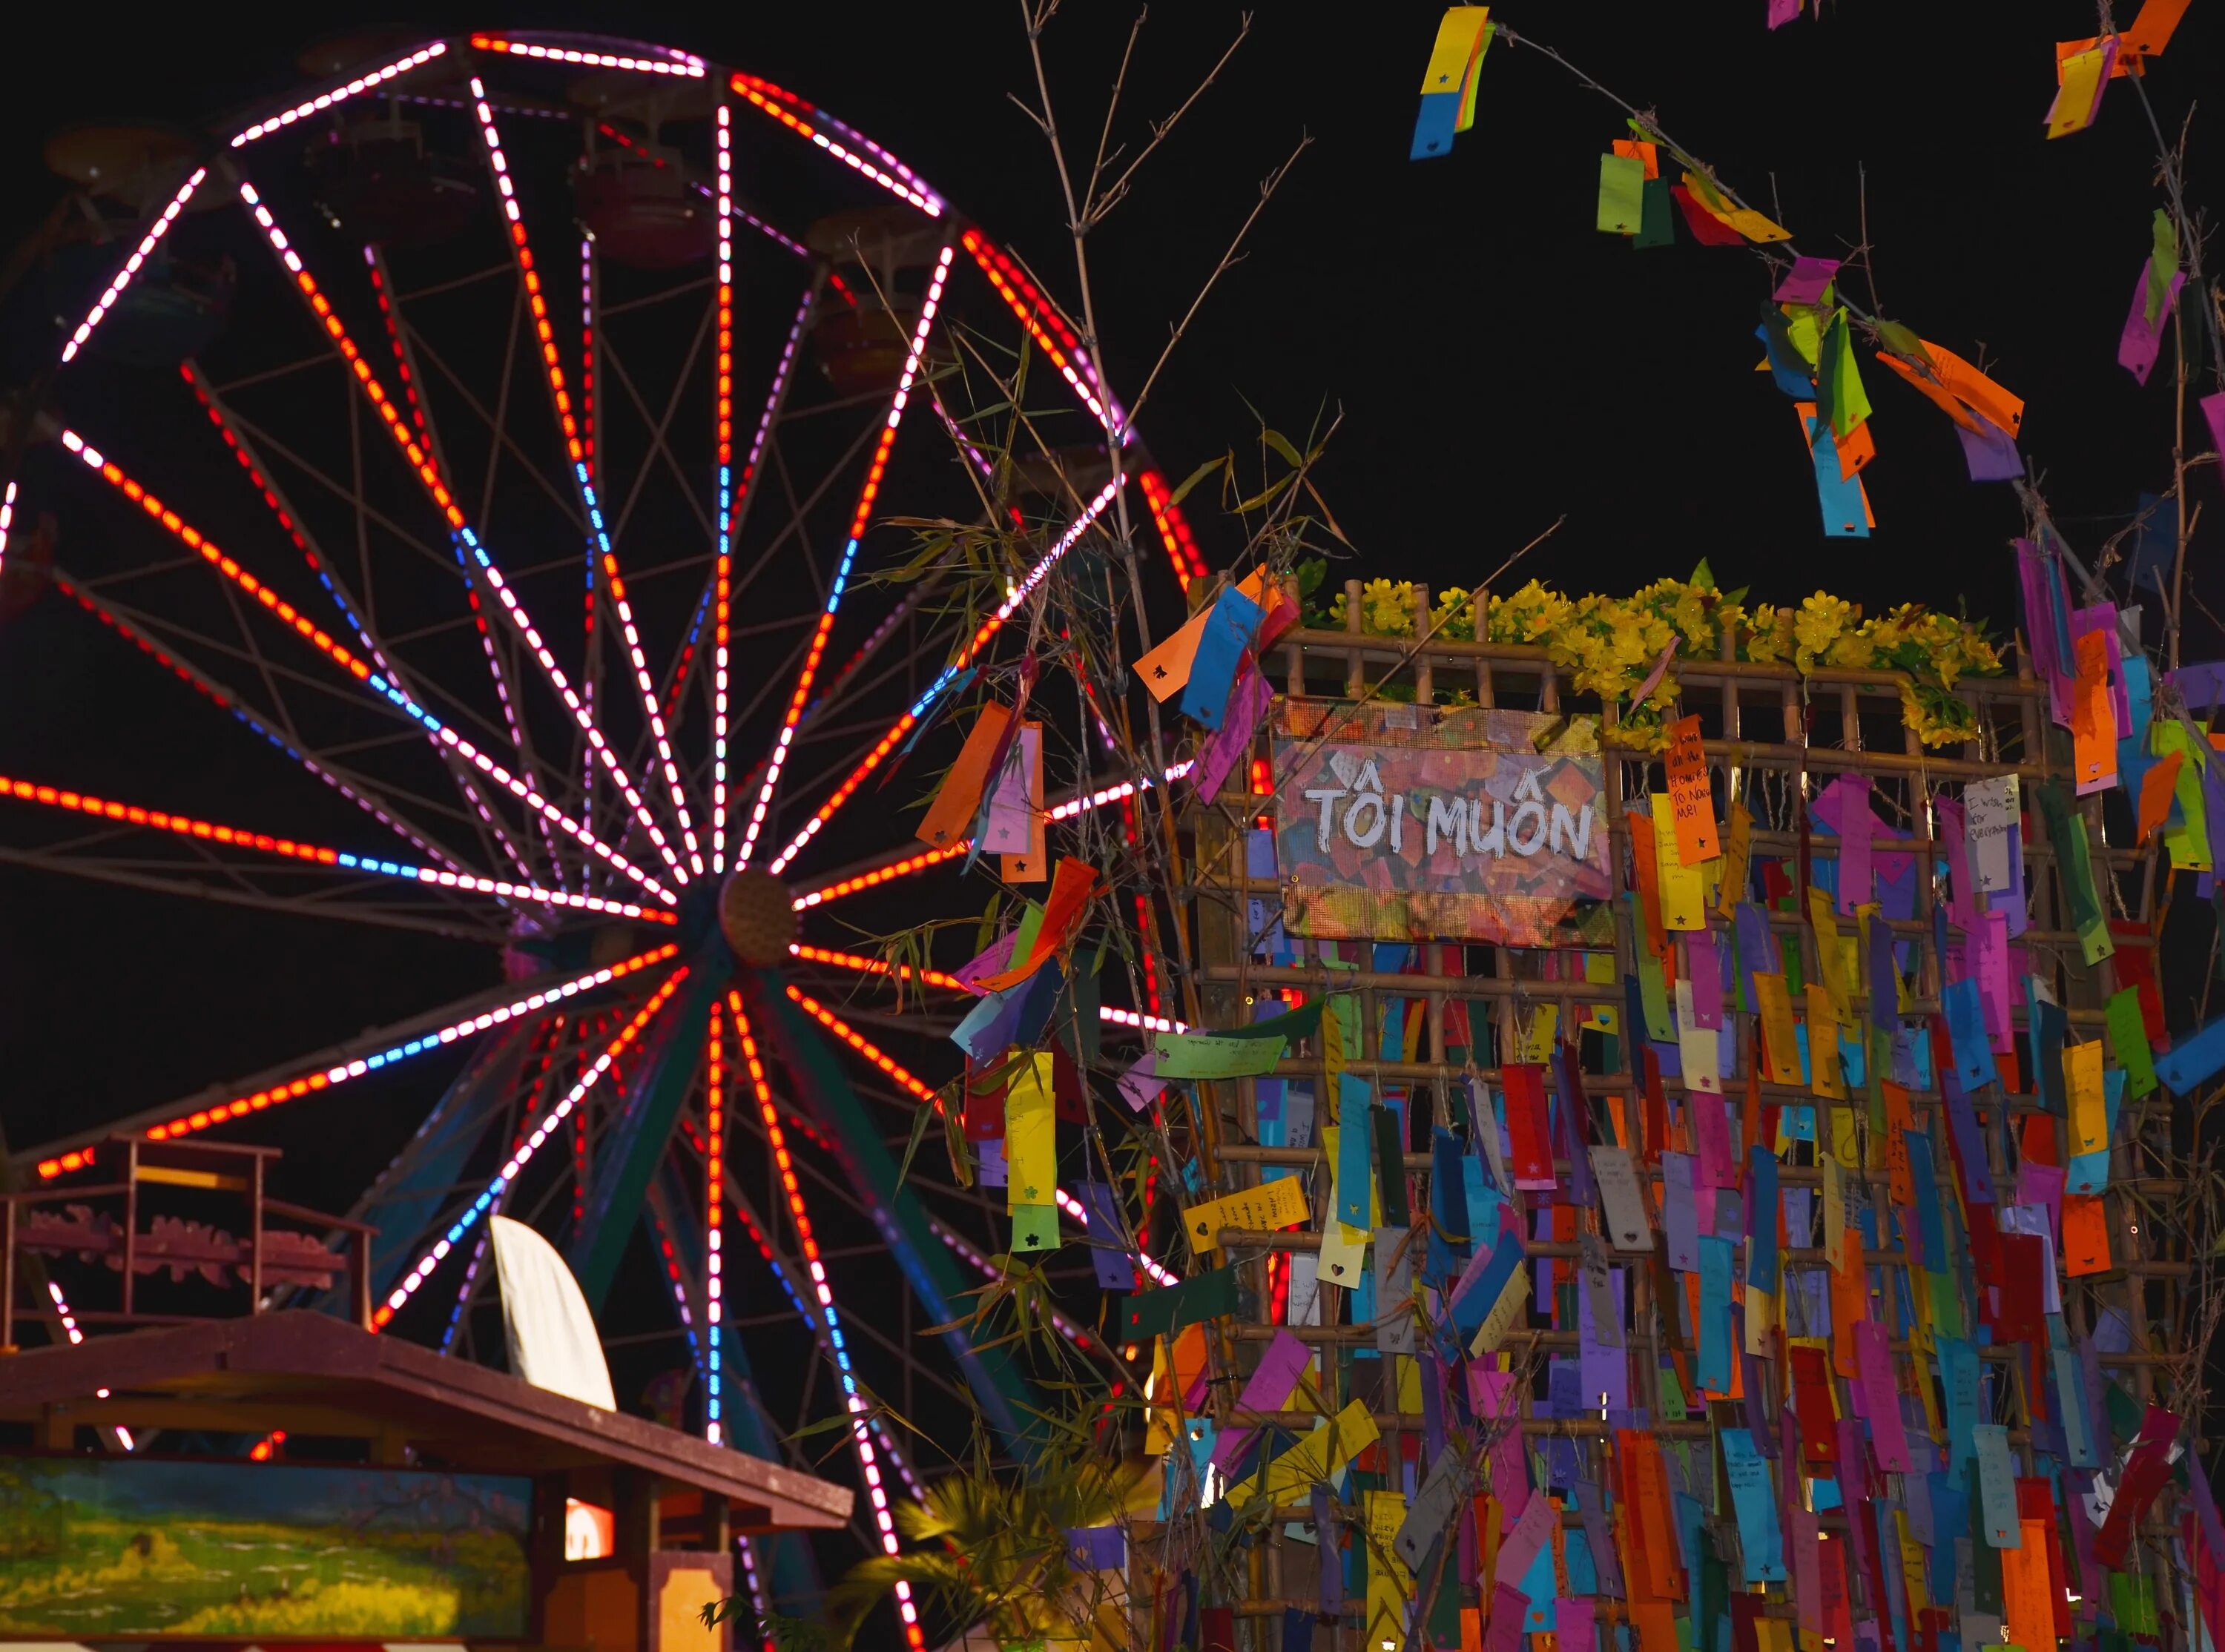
{"x": 313, "y": 1375}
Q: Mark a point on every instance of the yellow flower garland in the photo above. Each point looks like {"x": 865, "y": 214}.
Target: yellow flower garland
{"x": 1609, "y": 643}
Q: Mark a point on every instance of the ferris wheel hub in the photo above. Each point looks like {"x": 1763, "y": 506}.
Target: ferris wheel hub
{"x": 757, "y": 914}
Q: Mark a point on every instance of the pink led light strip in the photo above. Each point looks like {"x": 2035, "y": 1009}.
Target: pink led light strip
{"x": 774, "y": 399}
{"x": 924, "y": 858}
{"x": 724, "y": 430}
{"x": 859, "y": 519}
{"x": 690, "y": 67}
{"x": 309, "y": 1083}
{"x": 560, "y": 397}
{"x": 848, "y": 147}
{"x": 1053, "y": 336}
{"x": 889, "y": 742}
{"x": 403, "y": 371}
{"x": 7, "y": 520}
{"x": 429, "y": 473}
{"x": 525, "y": 1151}
{"x": 339, "y": 655}
{"x": 361, "y": 84}
{"x": 861, "y": 1437}
{"x": 282, "y": 508}
{"x": 107, "y": 299}
{"x": 186, "y": 826}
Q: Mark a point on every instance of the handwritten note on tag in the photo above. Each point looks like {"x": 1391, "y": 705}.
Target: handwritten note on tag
{"x": 1256, "y": 1210}
{"x": 1627, "y": 1228}
{"x": 1692, "y": 807}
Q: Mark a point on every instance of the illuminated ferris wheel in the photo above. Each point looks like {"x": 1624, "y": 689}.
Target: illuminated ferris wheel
{"x": 504, "y": 431}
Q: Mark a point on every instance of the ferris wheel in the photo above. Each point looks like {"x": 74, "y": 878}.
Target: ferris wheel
{"x": 504, "y": 430}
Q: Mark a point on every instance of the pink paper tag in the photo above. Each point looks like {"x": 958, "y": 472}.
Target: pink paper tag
{"x": 1576, "y": 1624}
{"x": 1519, "y": 1546}
{"x": 1717, "y": 1167}
{"x": 1856, "y": 824}
{"x": 998, "y": 957}
{"x": 1508, "y": 1607}
{"x": 1987, "y": 951}
{"x": 1232, "y": 739}
{"x": 1269, "y": 1389}
{"x": 1881, "y": 1399}
{"x": 1704, "y": 965}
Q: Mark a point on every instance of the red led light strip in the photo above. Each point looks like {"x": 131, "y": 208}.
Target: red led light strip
{"x": 903, "y": 868}
{"x": 282, "y": 508}
{"x": 417, "y": 1276}
{"x": 875, "y": 966}
{"x": 723, "y": 417}
{"x": 774, "y": 400}
{"x": 429, "y": 473}
{"x": 1042, "y": 321}
{"x": 714, "y": 1205}
{"x": 286, "y": 1090}
{"x": 784, "y": 106}
{"x": 866, "y": 1046}
{"x": 800, "y": 1214}
{"x": 904, "y": 725}
{"x": 186, "y": 825}
{"x": 552, "y": 368}
{"x": 207, "y": 686}
{"x": 339, "y": 655}
{"x": 859, "y": 519}
{"x": 1174, "y": 528}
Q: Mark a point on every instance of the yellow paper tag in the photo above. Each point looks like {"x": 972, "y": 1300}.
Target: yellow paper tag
{"x": 2090, "y": 1110}
{"x": 1684, "y": 892}
{"x": 1778, "y": 1043}
{"x": 1256, "y": 1210}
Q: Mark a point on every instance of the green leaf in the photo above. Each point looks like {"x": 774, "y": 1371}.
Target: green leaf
{"x": 1197, "y": 477}
{"x": 1703, "y": 577}
{"x": 1902, "y": 341}
{"x": 920, "y": 1118}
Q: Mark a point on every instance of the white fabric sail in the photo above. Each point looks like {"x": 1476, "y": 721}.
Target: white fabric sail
{"x": 552, "y": 1341}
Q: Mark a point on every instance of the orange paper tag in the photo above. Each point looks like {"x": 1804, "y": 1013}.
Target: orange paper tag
{"x": 1692, "y": 805}
{"x": 950, "y": 816}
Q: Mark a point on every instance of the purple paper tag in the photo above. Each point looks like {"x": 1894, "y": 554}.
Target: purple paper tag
{"x": 1706, "y": 971}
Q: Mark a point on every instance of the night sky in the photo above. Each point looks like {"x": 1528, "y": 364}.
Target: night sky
{"x": 1494, "y": 362}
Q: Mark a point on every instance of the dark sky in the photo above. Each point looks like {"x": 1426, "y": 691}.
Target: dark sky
{"x": 1495, "y": 362}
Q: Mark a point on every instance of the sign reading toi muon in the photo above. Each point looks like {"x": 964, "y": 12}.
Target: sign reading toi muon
{"x": 1423, "y": 822}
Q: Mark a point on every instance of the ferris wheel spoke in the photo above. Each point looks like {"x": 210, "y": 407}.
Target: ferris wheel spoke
{"x": 852, "y": 149}
{"x": 912, "y": 1086}
{"x": 206, "y": 831}
{"x": 378, "y": 800}
{"x": 371, "y": 1052}
{"x": 1050, "y": 330}
{"x": 132, "y": 264}
{"x": 966, "y": 654}
{"x": 437, "y": 488}
{"x": 560, "y": 400}
{"x": 340, "y": 94}
{"x": 906, "y": 863}
{"x": 405, "y": 368}
{"x": 340, "y": 656}
{"x": 473, "y": 1213}
{"x": 863, "y": 965}
{"x": 238, "y": 439}
{"x": 860, "y": 518}
{"x": 800, "y": 1215}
